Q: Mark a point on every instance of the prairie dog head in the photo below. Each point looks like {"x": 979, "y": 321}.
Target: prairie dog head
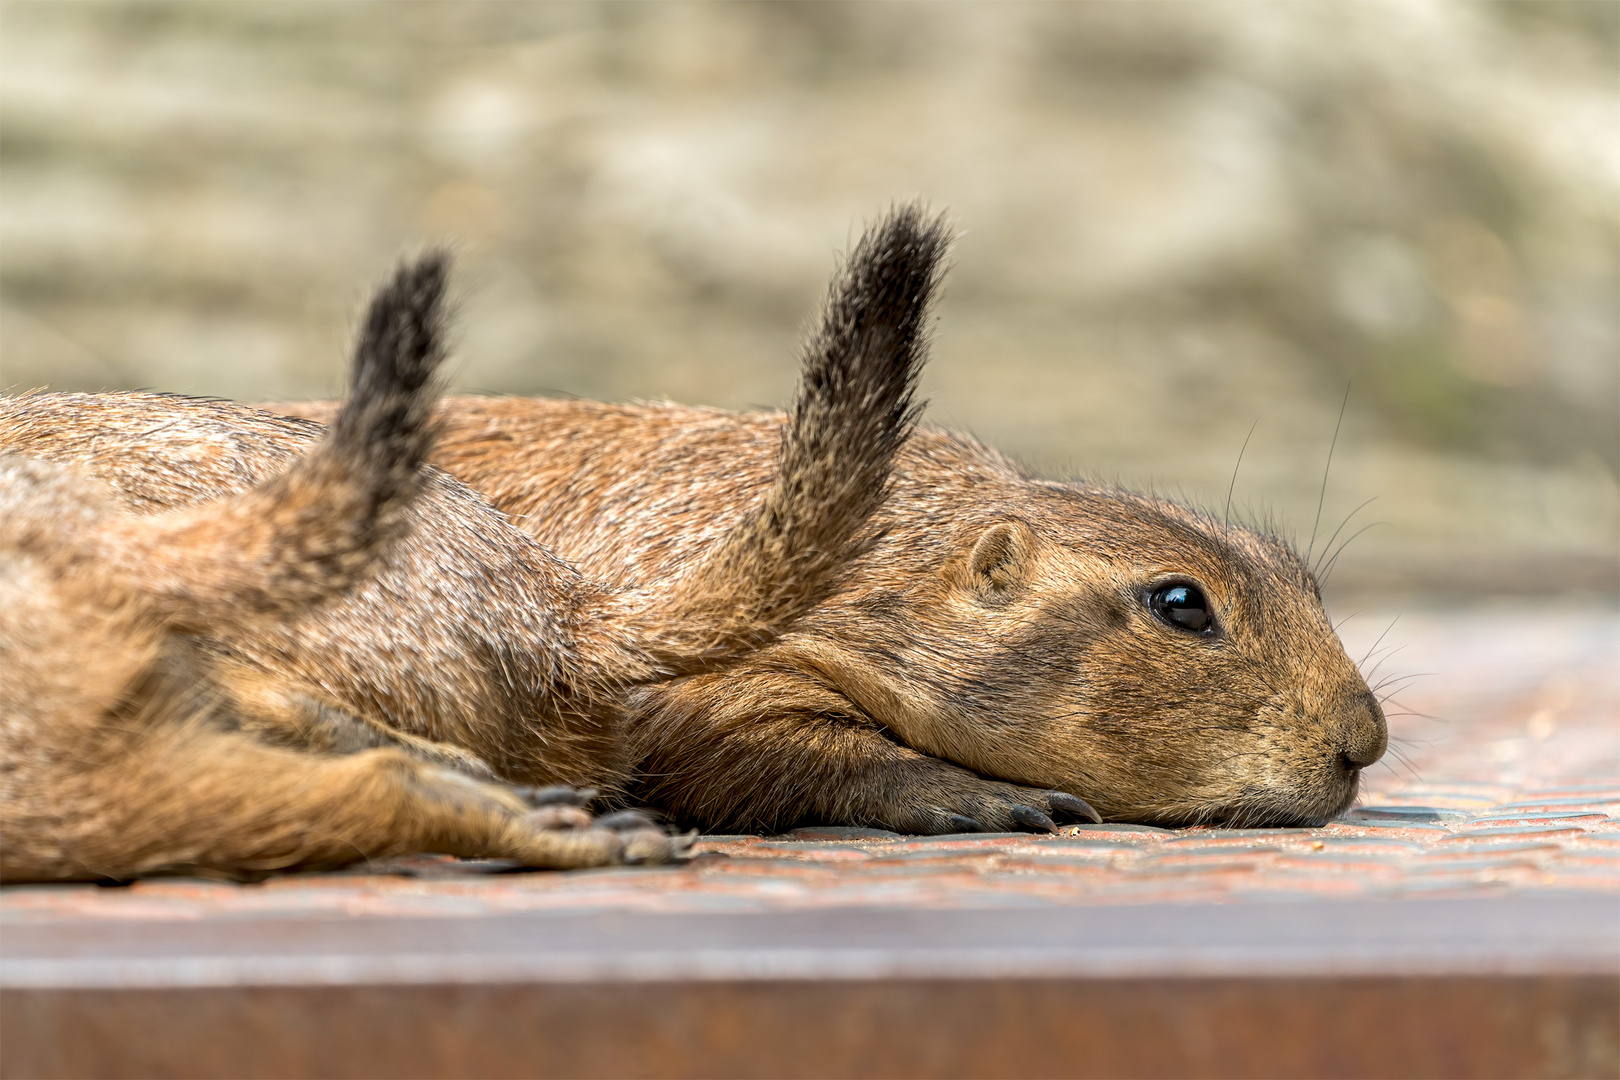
{"x": 1162, "y": 665}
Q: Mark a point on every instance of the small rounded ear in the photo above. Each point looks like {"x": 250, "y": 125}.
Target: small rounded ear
{"x": 1000, "y": 562}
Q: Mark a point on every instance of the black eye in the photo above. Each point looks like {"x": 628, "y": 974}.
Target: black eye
{"x": 1183, "y": 606}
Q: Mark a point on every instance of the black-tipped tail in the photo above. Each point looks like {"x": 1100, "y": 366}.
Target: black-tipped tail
{"x": 313, "y": 530}
{"x": 853, "y": 411}
{"x": 384, "y": 429}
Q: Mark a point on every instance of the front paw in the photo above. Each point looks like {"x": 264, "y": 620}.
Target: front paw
{"x": 977, "y": 805}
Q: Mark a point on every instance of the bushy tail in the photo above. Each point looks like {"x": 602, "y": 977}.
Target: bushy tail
{"x": 316, "y": 528}
{"x": 854, "y": 409}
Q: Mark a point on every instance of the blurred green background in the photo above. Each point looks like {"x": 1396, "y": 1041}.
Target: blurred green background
{"x": 1179, "y": 221}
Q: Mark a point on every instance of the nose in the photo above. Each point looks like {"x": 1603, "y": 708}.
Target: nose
{"x": 1366, "y": 736}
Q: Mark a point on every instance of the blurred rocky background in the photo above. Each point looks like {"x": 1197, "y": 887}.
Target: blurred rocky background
{"x": 1180, "y": 222}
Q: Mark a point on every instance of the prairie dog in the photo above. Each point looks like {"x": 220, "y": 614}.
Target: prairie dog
{"x": 121, "y": 750}
{"x": 474, "y": 645}
{"x": 1010, "y": 644}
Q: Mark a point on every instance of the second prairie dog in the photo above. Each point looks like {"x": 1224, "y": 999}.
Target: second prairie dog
{"x": 1009, "y": 637}
{"x": 124, "y": 746}
{"x": 471, "y": 635}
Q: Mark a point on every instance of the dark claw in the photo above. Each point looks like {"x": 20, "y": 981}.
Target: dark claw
{"x": 669, "y": 849}
{"x": 1073, "y": 805}
{"x": 958, "y": 823}
{"x": 644, "y": 846}
{"x": 557, "y": 795}
{"x": 626, "y": 821}
{"x": 1032, "y": 819}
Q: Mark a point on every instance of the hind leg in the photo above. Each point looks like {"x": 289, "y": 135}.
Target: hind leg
{"x": 301, "y": 719}
{"x": 205, "y": 799}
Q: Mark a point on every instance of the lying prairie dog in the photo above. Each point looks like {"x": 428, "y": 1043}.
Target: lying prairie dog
{"x": 1008, "y": 638}
{"x": 473, "y": 645}
{"x": 123, "y": 750}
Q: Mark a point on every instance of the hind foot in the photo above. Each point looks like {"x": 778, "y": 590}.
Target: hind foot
{"x": 562, "y": 829}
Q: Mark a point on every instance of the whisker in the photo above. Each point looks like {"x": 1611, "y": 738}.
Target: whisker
{"x": 1328, "y": 546}
{"x": 1226, "y": 516}
{"x": 1327, "y": 570}
{"x": 1322, "y": 498}
{"x": 1405, "y": 762}
{"x": 1389, "y": 679}
{"x": 1380, "y": 640}
{"x": 1389, "y": 655}
{"x": 1402, "y": 710}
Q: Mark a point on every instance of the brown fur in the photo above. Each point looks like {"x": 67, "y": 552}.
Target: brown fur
{"x": 123, "y": 754}
{"x": 471, "y": 641}
{"x": 995, "y": 647}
